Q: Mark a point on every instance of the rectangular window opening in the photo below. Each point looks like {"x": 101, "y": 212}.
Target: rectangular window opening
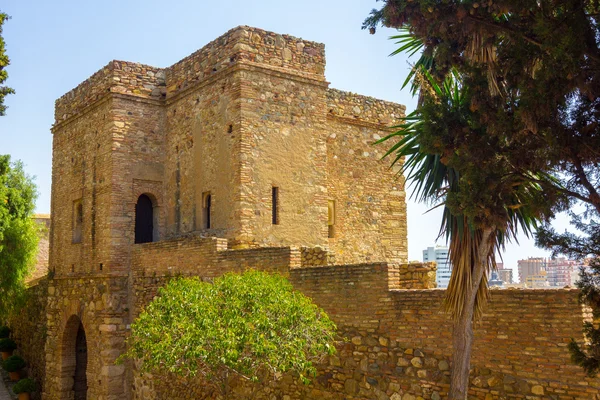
{"x": 77, "y": 221}
{"x": 275, "y": 205}
{"x": 206, "y": 206}
{"x": 331, "y": 219}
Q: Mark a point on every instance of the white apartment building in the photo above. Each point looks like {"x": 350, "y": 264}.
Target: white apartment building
{"x": 439, "y": 254}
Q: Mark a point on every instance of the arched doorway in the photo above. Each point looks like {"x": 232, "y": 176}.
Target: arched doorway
{"x": 80, "y": 377}
{"x": 74, "y": 361}
{"x": 144, "y": 220}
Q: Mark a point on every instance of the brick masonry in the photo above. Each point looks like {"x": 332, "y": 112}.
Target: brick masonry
{"x": 250, "y": 112}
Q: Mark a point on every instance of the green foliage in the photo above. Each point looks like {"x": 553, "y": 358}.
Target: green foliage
{"x": 251, "y": 326}
{"x": 18, "y": 231}
{"x": 26, "y": 385}
{"x": 13, "y": 364}
{"x": 581, "y": 246}
{"x": 4, "y": 332}
{"x": 451, "y": 160}
{"x": 7, "y": 344}
{"x": 533, "y": 69}
{"x": 4, "y": 61}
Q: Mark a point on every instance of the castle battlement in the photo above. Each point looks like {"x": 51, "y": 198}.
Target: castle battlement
{"x": 355, "y": 108}
{"x": 116, "y": 77}
{"x": 245, "y": 44}
{"x": 240, "y": 45}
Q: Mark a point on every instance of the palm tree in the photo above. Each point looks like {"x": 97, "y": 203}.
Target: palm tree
{"x": 440, "y": 175}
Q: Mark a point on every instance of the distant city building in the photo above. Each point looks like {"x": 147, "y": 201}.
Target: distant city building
{"x": 439, "y": 254}
{"x": 505, "y": 275}
{"x": 561, "y": 271}
{"x": 495, "y": 280}
{"x": 540, "y": 280}
{"x": 531, "y": 267}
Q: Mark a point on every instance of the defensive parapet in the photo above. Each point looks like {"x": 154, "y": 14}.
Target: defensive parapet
{"x": 241, "y": 45}
{"x": 357, "y": 109}
{"x": 116, "y": 77}
{"x": 249, "y": 45}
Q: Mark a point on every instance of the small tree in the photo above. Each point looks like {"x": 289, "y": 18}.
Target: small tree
{"x": 252, "y": 326}
{"x": 18, "y": 231}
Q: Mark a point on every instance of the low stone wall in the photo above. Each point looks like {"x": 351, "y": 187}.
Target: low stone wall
{"x": 29, "y": 331}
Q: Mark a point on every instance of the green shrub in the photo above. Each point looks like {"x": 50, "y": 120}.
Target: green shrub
{"x": 4, "y": 332}
{"x": 253, "y": 325}
{"x": 7, "y": 344}
{"x": 13, "y": 364}
{"x": 26, "y": 385}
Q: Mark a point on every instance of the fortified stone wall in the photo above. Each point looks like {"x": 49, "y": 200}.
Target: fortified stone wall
{"x": 398, "y": 339}
{"x": 100, "y": 304}
{"x": 29, "y": 330}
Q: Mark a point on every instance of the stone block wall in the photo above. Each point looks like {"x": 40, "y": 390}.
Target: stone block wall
{"x": 369, "y": 196}
{"x": 82, "y": 172}
{"x": 116, "y": 77}
{"x": 29, "y": 331}
{"x": 314, "y": 256}
{"x": 248, "y": 45}
{"x": 100, "y": 303}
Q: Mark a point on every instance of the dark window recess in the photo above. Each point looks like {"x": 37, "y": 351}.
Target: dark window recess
{"x": 275, "y": 205}
{"x": 230, "y": 129}
{"x": 101, "y": 266}
{"x": 144, "y": 220}
{"x": 207, "y": 203}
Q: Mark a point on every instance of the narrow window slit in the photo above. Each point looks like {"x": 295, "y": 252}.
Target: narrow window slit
{"x": 206, "y": 206}
{"x": 331, "y": 219}
{"x": 275, "y": 205}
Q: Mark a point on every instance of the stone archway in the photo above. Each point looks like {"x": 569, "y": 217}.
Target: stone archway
{"x": 74, "y": 360}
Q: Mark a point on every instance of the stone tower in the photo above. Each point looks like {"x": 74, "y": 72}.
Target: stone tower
{"x": 240, "y": 146}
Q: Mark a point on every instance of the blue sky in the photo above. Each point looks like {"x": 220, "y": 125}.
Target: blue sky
{"x": 54, "y": 45}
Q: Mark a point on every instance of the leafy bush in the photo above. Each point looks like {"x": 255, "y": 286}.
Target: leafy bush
{"x": 7, "y": 344}
{"x": 13, "y": 364}
{"x": 26, "y": 385}
{"x": 250, "y": 326}
{"x": 4, "y": 332}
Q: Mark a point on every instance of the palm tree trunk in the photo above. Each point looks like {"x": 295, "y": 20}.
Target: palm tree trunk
{"x": 462, "y": 334}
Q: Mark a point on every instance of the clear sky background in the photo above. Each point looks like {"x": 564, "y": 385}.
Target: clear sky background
{"x": 54, "y": 45}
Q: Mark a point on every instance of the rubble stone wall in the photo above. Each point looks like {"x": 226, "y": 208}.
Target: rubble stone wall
{"x": 29, "y": 330}
{"x": 396, "y": 343}
{"x": 100, "y": 304}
